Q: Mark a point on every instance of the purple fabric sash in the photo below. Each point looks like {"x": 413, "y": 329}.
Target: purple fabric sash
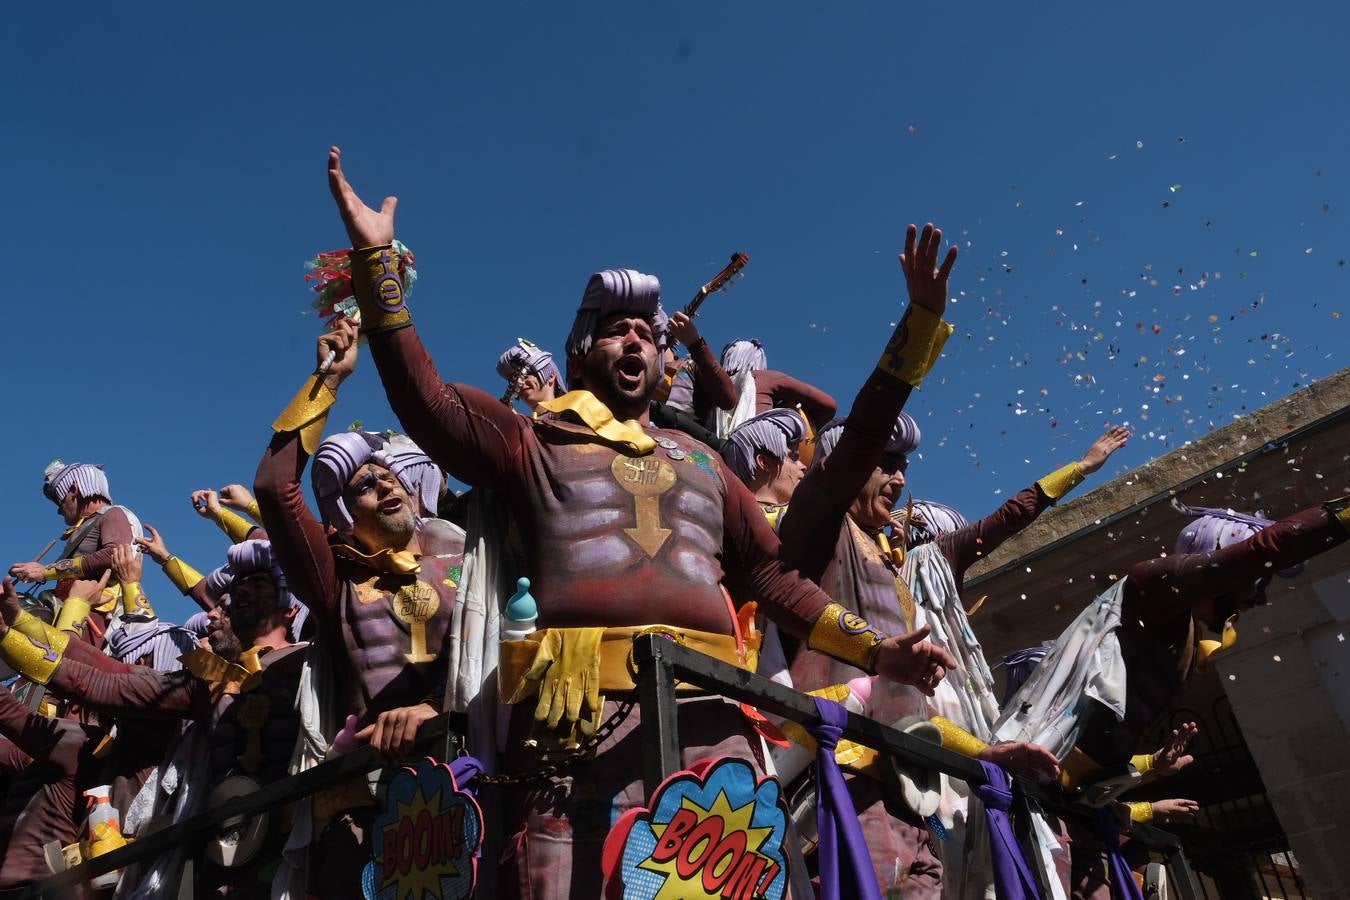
{"x": 1123, "y": 885}
{"x": 845, "y": 866}
{"x": 1013, "y": 879}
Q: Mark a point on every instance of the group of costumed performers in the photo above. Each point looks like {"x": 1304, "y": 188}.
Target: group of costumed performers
{"x": 708, "y": 500}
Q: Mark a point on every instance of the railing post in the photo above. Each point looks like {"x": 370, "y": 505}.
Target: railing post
{"x": 656, "y": 699}
{"x": 1024, "y": 827}
{"x": 1179, "y": 875}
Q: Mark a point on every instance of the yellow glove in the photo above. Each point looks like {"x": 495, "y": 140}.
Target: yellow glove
{"x": 567, "y": 669}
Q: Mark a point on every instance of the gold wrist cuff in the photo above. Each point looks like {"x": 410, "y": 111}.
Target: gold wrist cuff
{"x": 1141, "y": 811}
{"x": 847, "y": 637}
{"x": 235, "y": 526}
{"x": 34, "y": 658}
{"x": 65, "y": 569}
{"x": 183, "y": 576}
{"x": 253, "y": 512}
{"x": 134, "y": 601}
{"x": 1143, "y": 763}
{"x": 307, "y": 412}
{"x": 74, "y": 612}
{"x": 915, "y": 346}
{"x": 1062, "y": 480}
{"x": 956, "y": 738}
{"x": 378, "y": 289}
{"x": 29, "y": 624}
{"x": 1340, "y": 510}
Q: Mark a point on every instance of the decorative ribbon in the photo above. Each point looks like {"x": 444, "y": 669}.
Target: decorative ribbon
{"x": 1013, "y": 879}
{"x": 845, "y": 867}
{"x": 388, "y": 561}
{"x": 1122, "y": 883}
{"x": 466, "y": 770}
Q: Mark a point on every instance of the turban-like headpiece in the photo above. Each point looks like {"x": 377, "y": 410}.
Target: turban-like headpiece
{"x": 773, "y": 432}
{"x": 89, "y": 481}
{"x": 932, "y": 520}
{"x": 527, "y": 355}
{"x": 617, "y": 291}
{"x": 247, "y": 558}
{"x": 340, "y": 455}
{"x": 1214, "y": 529}
{"x": 744, "y": 355}
{"x": 904, "y": 437}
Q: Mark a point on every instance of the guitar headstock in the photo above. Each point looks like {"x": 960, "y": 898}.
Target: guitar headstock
{"x": 720, "y": 282}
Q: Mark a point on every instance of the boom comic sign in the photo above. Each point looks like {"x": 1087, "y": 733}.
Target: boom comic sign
{"x": 426, "y": 841}
{"x": 713, "y": 831}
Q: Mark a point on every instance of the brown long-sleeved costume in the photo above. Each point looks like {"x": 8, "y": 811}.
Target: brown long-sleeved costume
{"x": 713, "y": 388}
{"x": 774, "y": 389}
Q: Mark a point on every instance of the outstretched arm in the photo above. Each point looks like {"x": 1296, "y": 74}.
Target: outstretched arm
{"x": 184, "y": 577}
{"x": 773, "y": 388}
{"x": 466, "y": 431}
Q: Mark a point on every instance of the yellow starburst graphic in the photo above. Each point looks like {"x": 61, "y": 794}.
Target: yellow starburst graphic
{"x": 419, "y": 848}
{"x": 710, "y": 853}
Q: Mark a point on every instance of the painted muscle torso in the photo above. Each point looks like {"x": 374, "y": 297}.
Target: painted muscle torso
{"x": 254, "y": 733}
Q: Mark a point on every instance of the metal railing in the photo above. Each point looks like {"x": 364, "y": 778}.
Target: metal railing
{"x": 660, "y": 662}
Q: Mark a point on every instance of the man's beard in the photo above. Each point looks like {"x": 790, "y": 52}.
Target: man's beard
{"x": 397, "y": 528}
{"x": 225, "y": 644}
{"x": 604, "y": 381}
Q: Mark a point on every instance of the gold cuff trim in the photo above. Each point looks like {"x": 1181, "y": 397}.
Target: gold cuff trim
{"x": 34, "y": 658}
{"x": 183, "y": 576}
{"x": 378, "y": 289}
{"x": 253, "y": 512}
{"x": 956, "y": 738}
{"x": 1141, "y": 811}
{"x": 134, "y": 601}
{"x": 1144, "y": 762}
{"x": 1064, "y": 479}
{"x": 65, "y": 569}
{"x": 915, "y": 346}
{"x": 847, "y": 637}
{"x": 307, "y": 412}
{"x": 74, "y": 612}
{"x": 235, "y": 526}
{"x": 29, "y": 624}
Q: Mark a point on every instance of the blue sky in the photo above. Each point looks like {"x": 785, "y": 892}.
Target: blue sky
{"x": 1150, "y": 199}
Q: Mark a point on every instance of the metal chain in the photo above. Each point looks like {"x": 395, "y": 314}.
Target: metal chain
{"x": 582, "y": 752}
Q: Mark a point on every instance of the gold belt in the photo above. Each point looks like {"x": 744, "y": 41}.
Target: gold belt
{"x": 617, "y": 666}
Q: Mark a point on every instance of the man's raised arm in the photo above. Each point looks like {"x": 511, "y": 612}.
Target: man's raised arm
{"x": 469, "y": 433}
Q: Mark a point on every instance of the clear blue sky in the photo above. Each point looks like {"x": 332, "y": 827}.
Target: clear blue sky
{"x": 1127, "y": 182}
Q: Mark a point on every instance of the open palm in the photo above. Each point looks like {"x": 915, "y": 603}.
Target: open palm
{"x": 365, "y": 226}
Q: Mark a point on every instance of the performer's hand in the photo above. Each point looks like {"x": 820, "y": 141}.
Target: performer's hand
{"x": 236, "y": 496}
{"x": 28, "y": 571}
{"x": 1115, "y": 437}
{"x": 395, "y": 730}
{"x": 684, "y": 329}
{"x": 153, "y": 545}
{"x": 927, "y": 283}
{"x": 207, "y": 503}
{"x": 1021, "y": 758}
{"x": 341, "y": 341}
{"x": 9, "y": 605}
{"x": 909, "y": 659}
{"x": 1178, "y": 809}
{"x": 88, "y": 589}
{"x": 365, "y": 226}
{"x": 1172, "y": 758}
{"x": 126, "y": 564}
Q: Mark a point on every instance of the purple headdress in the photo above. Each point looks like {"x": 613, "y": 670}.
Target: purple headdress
{"x": 932, "y": 520}
{"x": 772, "y": 432}
{"x": 88, "y": 479}
{"x": 746, "y": 354}
{"x": 617, "y": 291}
{"x": 531, "y": 357}
{"x": 904, "y": 437}
{"x": 340, "y": 455}
{"x": 1214, "y": 529}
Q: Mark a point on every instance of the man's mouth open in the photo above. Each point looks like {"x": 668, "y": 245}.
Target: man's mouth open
{"x": 630, "y": 371}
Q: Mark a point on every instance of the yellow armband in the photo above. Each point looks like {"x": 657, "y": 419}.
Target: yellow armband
{"x": 956, "y": 738}
{"x": 72, "y": 616}
{"x": 235, "y": 526}
{"x": 379, "y": 289}
{"x": 1064, "y": 479}
{"x": 65, "y": 569}
{"x": 134, "y": 601}
{"x": 183, "y": 576}
{"x": 307, "y": 412}
{"x": 847, "y": 637}
{"x": 1144, "y": 762}
{"x": 1141, "y": 811}
{"x": 915, "y": 346}
{"x": 253, "y": 512}
{"x": 34, "y": 658}
{"x": 29, "y": 624}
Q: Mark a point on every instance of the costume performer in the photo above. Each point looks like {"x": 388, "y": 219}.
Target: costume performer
{"x": 1114, "y": 672}
{"x": 768, "y": 455}
{"x": 773, "y": 389}
{"x": 531, "y": 374}
{"x": 627, "y": 527}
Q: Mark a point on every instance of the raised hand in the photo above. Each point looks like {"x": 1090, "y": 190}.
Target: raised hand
{"x": 153, "y": 545}
{"x": 684, "y": 329}
{"x": 1115, "y": 437}
{"x": 88, "y": 590}
{"x": 28, "y": 571}
{"x": 341, "y": 342}
{"x": 927, "y": 283}
{"x": 394, "y": 732}
{"x": 1172, "y": 758}
{"x": 909, "y": 659}
{"x": 1021, "y": 758}
{"x": 126, "y": 564}
{"x": 1177, "y": 809}
{"x": 236, "y": 496}
{"x": 9, "y": 605}
{"x": 365, "y": 226}
{"x": 207, "y": 503}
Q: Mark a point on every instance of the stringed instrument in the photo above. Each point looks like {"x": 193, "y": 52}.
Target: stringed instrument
{"x": 720, "y": 282}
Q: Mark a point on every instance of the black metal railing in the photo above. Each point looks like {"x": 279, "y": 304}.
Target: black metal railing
{"x": 660, "y": 663}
